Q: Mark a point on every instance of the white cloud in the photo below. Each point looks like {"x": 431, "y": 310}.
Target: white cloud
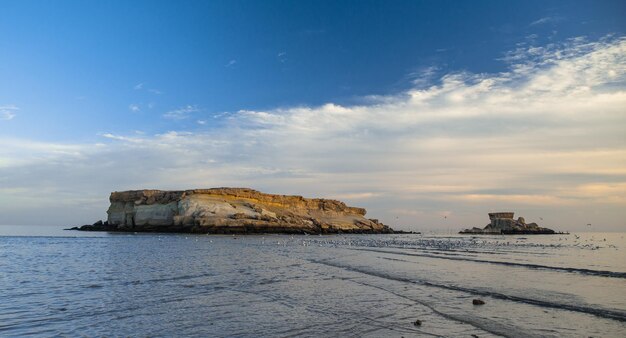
{"x": 282, "y": 57}
{"x": 7, "y": 113}
{"x": 544, "y": 138}
{"x": 231, "y": 63}
{"x": 140, "y": 86}
{"x": 546, "y": 20}
{"x": 123, "y": 138}
{"x": 355, "y": 196}
{"x": 181, "y": 113}
{"x": 134, "y": 107}
{"x": 423, "y": 76}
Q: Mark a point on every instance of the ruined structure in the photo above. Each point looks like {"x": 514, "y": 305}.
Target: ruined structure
{"x": 231, "y": 210}
{"x": 504, "y": 223}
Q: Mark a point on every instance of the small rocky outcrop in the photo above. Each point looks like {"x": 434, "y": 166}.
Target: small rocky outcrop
{"x": 478, "y": 302}
{"x": 231, "y": 211}
{"x": 504, "y": 223}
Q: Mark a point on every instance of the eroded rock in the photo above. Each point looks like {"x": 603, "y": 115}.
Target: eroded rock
{"x": 232, "y": 210}
{"x": 504, "y": 223}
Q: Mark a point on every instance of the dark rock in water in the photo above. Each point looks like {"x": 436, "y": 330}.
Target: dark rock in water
{"x": 407, "y": 232}
{"x": 478, "y": 302}
{"x": 417, "y": 322}
{"x": 502, "y": 223}
{"x": 232, "y": 211}
{"x": 98, "y": 226}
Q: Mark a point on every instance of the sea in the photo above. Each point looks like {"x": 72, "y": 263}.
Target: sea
{"x": 57, "y": 283}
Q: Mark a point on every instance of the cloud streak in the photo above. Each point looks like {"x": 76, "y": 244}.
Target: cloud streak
{"x": 545, "y": 138}
{"x": 181, "y": 113}
{"x": 546, "y": 20}
{"x": 8, "y": 113}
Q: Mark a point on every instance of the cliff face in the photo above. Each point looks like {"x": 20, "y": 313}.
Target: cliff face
{"x": 231, "y": 210}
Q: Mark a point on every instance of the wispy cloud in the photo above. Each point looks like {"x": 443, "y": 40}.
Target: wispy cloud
{"x": 6, "y": 115}
{"x": 231, "y": 63}
{"x": 546, "y": 20}
{"x": 122, "y": 138}
{"x": 423, "y": 76}
{"x": 355, "y": 196}
{"x": 134, "y": 107}
{"x": 141, "y": 86}
{"x": 543, "y": 138}
{"x": 8, "y": 112}
{"x": 282, "y": 57}
{"x": 220, "y": 115}
{"x": 181, "y": 113}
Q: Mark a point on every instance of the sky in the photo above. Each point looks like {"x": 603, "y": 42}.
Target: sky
{"x": 429, "y": 114}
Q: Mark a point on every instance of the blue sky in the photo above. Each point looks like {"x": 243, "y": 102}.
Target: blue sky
{"x": 138, "y": 85}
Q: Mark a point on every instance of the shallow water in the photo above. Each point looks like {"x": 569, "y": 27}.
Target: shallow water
{"x": 55, "y": 282}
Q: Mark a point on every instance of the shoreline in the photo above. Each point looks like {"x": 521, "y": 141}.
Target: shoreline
{"x": 104, "y": 227}
{"x": 515, "y": 233}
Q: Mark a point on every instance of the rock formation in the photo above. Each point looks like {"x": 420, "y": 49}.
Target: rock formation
{"x": 503, "y": 223}
{"x": 231, "y": 210}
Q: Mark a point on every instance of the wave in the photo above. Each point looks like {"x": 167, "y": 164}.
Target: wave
{"x": 603, "y": 273}
{"x": 604, "y": 313}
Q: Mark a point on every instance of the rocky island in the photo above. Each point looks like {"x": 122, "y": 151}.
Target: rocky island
{"x": 231, "y": 211}
{"x": 503, "y": 223}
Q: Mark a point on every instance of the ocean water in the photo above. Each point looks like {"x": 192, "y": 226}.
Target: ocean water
{"x": 66, "y": 283}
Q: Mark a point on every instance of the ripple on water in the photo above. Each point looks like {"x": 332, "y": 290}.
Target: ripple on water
{"x": 171, "y": 285}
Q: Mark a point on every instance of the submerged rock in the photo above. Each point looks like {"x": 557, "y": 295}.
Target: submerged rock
{"x": 503, "y": 223}
{"x": 478, "y": 302}
{"x": 229, "y": 211}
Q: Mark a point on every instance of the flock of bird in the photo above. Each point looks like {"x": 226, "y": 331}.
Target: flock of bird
{"x": 476, "y": 244}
